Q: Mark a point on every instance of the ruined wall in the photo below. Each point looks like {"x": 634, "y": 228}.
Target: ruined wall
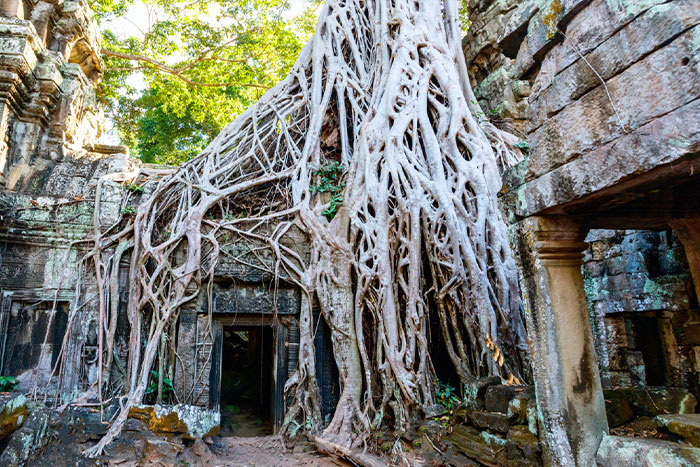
{"x": 524, "y": 59}
{"x": 643, "y": 309}
{"x": 51, "y": 162}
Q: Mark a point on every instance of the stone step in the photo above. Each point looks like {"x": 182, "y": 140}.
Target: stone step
{"x": 687, "y": 426}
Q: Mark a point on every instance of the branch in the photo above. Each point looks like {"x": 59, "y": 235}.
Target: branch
{"x": 174, "y": 71}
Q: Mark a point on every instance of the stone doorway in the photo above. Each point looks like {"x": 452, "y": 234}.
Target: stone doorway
{"x": 248, "y": 373}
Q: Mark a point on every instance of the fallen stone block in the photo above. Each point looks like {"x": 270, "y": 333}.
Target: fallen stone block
{"x": 522, "y": 409}
{"x": 520, "y": 437}
{"x": 13, "y": 413}
{"x": 623, "y": 404}
{"x": 518, "y": 449}
{"x": 490, "y": 420}
{"x": 159, "y": 452}
{"x": 498, "y": 397}
{"x": 686, "y": 426}
{"x": 619, "y": 451}
{"x": 33, "y": 436}
{"x": 188, "y": 420}
{"x": 476, "y": 392}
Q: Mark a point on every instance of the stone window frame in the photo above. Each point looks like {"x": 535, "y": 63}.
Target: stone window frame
{"x": 9, "y": 296}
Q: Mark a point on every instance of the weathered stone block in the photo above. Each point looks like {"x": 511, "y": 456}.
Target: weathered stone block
{"x": 618, "y": 451}
{"x": 490, "y": 420}
{"x": 188, "y": 420}
{"x": 659, "y": 80}
{"x": 475, "y": 393}
{"x": 571, "y": 77}
{"x": 527, "y": 443}
{"x": 478, "y": 445}
{"x": 498, "y": 397}
{"x": 650, "y": 401}
{"x": 686, "y": 426}
{"x": 13, "y": 413}
{"x": 159, "y": 452}
{"x": 522, "y": 409}
{"x": 617, "y": 408}
{"x": 31, "y": 437}
{"x": 661, "y": 141}
{"x": 519, "y": 449}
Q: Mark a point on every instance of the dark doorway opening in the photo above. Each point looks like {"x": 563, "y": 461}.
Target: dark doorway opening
{"x": 246, "y": 381}
{"x": 440, "y": 357}
{"x": 326, "y": 369}
{"x": 647, "y": 340}
{"x": 30, "y": 326}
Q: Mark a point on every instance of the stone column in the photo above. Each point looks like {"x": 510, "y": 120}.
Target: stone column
{"x": 570, "y": 400}
{"x": 4, "y": 137}
{"x": 186, "y": 364}
{"x": 688, "y": 231}
{"x": 12, "y": 9}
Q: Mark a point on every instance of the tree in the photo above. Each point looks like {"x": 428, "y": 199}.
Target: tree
{"x": 413, "y": 233}
{"x": 203, "y": 62}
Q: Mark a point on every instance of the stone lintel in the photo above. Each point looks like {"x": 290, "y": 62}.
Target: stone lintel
{"x": 661, "y": 143}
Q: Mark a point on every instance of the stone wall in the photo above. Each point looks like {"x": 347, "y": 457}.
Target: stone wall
{"x": 51, "y": 162}
{"x": 528, "y": 78}
{"x": 48, "y": 107}
{"x": 643, "y": 308}
{"x": 604, "y": 96}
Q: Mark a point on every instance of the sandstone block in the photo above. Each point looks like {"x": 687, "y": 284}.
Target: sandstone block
{"x": 498, "y": 397}
{"x": 490, "y": 420}
{"x": 13, "y": 413}
{"x": 618, "y": 451}
{"x": 686, "y": 426}
{"x": 188, "y": 420}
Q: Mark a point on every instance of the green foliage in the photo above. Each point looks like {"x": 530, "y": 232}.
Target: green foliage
{"x": 7, "y": 383}
{"x": 496, "y": 111}
{"x": 153, "y": 387}
{"x": 203, "y": 63}
{"x": 332, "y": 210}
{"x": 329, "y": 176}
{"x": 129, "y": 211}
{"x": 524, "y": 146}
{"x": 132, "y": 187}
{"x": 446, "y": 396}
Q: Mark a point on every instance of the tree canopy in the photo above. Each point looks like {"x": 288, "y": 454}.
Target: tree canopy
{"x": 202, "y": 63}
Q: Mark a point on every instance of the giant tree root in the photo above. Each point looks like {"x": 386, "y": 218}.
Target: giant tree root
{"x": 405, "y": 231}
{"x": 354, "y": 455}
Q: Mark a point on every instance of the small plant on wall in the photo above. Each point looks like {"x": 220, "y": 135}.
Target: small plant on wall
{"x": 7, "y": 383}
{"x": 153, "y": 387}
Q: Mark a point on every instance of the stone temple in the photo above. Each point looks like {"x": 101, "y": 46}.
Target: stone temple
{"x": 604, "y": 215}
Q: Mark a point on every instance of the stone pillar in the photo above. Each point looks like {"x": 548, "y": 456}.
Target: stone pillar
{"x": 186, "y": 364}
{"x": 4, "y": 138}
{"x": 570, "y": 400}
{"x": 688, "y": 232}
{"x": 12, "y": 9}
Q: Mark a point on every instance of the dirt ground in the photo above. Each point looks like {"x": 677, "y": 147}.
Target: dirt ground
{"x": 265, "y": 451}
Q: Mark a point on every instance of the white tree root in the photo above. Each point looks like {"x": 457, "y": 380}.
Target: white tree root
{"x": 381, "y": 89}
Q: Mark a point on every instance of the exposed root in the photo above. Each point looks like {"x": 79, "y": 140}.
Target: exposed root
{"x": 382, "y": 90}
{"x": 356, "y": 456}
